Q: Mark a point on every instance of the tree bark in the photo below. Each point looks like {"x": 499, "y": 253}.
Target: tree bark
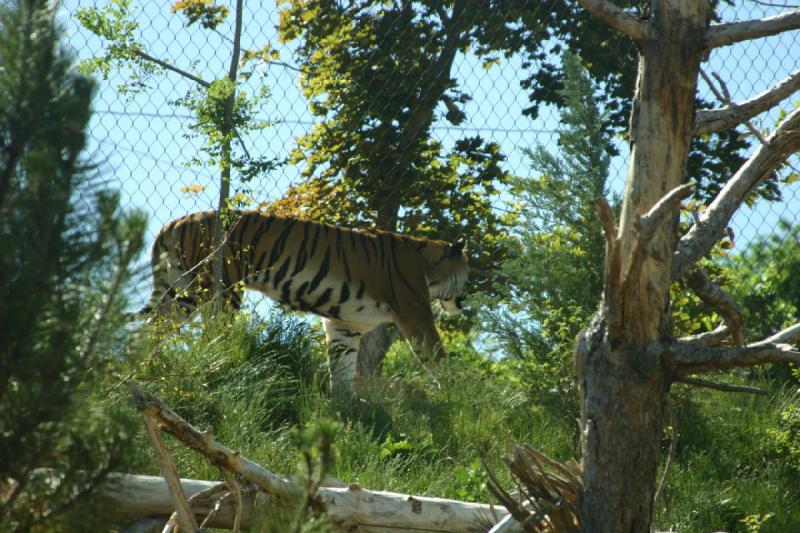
{"x": 623, "y": 379}
{"x": 132, "y": 497}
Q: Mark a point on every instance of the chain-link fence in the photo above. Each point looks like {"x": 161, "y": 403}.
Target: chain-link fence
{"x": 143, "y": 140}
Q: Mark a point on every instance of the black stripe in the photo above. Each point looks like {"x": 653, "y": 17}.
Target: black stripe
{"x": 315, "y": 239}
{"x": 360, "y": 292}
{"x": 242, "y": 226}
{"x": 344, "y": 295}
{"x": 285, "y": 297}
{"x": 302, "y": 255}
{"x": 400, "y": 272}
{"x": 346, "y": 264}
{"x": 380, "y": 252}
{"x": 259, "y": 266}
{"x": 363, "y": 240}
{"x": 323, "y": 298}
{"x": 263, "y": 228}
{"x": 339, "y": 248}
{"x": 181, "y": 240}
{"x": 281, "y": 273}
{"x": 323, "y": 271}
{"x": 301, "y": 290}
{"x": 280, "y": 243}
{"x": 334, "y": 311}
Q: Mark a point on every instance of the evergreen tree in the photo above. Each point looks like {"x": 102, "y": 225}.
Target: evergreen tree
{"x": 65, "y": 253}
{"x": 555, "y": 262}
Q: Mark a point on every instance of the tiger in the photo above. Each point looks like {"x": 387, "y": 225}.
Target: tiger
{"x": 355, "y": 280}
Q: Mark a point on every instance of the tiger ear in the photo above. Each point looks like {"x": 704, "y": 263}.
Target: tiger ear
{"x": 458, "y": 247}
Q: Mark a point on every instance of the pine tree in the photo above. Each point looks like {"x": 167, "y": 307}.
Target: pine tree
{"x": 65, "y": 255}
{"x": 555, "y": 260}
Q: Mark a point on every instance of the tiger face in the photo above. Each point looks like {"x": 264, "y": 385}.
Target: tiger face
{"x": 448, "y": 279}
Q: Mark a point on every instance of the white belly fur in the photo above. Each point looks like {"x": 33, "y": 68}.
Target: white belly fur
{"x": 360, "y": 314}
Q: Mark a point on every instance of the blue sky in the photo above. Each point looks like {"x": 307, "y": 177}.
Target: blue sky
{"x": 140, "y": 141}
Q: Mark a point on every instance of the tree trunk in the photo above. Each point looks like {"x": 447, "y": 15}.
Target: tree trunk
{"x": 622, "y": 377}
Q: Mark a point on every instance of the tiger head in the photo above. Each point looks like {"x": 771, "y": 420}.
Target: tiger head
{"x": 447, "y": 276}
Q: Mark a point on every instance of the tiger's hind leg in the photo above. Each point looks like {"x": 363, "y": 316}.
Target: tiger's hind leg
{"x": 174, "y": 292}
{"x": 343, "y": 343}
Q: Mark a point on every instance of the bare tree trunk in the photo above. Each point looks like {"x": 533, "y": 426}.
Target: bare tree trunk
{"x": 622, "y": 377}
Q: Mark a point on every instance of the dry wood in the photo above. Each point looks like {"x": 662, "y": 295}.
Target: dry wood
{"x": 699, "y": 240}
{"x": 183, "y": 510}
{"x": 624, "y": 358}
{"x": 549, "y": 492}
{"x": 714, "y": 296}
{"x": 130, "y": 497}
{"x": 734, "y": 32}
{"x": 349, "y": 506}
{"x": 789, "y": 335}
{"x": 216, "y": 492}
{"x": 724, "y": 387}
{"x": 708, "y": 338}
{"x": 689, "y": 359}
{"x": 202, "y": 442}
{"x": 711, "y": 120}
{"x": 618, "y": 19}
{"x": 647, "y": 224}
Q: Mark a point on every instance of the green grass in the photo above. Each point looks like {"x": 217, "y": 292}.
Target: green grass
{"x": 731, "y": 466}
{"x": 425, "y": 430}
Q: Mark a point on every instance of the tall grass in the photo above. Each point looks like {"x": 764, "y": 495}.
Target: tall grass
{"x": 425, "y": 429}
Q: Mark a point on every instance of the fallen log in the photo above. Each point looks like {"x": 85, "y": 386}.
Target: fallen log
{"x": 133, "y": 497}
{"x": 349, "y": 507}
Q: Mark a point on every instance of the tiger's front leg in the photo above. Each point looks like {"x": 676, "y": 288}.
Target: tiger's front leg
{"x": 343, "y": 343}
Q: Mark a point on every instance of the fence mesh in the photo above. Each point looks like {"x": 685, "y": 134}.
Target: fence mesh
{"x": 143, "y": 142}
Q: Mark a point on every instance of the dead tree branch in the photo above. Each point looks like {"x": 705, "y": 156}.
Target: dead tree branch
{"x": 613, "y": 266}
{"x": 724, "y": 387}
{"x": 692, "y": 359}
{"x": 734, "y": 32}
{"x": 168, "y": 66}
{"x": 549, "y": 492}
{"x": 184, "y": 512}
{"x": 724, "y": 96}
{"x": 790, "y": 335}
{"x": 648, "y": 223}
{"x": 699, "y": 240}
{"x": 708, "y": 338}
{"x": 711, "y": 120}
{"x": 715, "y": 297}
{"x": 202, "y": 442}
{"x": 349, "y": 506}
{"x": 618, "y": 19}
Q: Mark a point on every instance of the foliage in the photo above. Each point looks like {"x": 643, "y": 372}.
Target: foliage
{"x": 375, "y": 74}
{"x": 65, "y": 255}
{"x": 767, "y": 278}
{"x": 224, "y": 111}
{"x": 555, "y": 270}
{"x": 207, "y": 12}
